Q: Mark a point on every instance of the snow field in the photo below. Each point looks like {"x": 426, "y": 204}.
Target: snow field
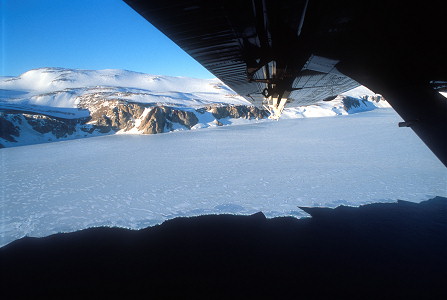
{"x": 135, "y": 181}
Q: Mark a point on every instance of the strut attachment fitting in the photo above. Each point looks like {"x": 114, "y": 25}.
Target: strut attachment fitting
{"x": 275, "y": 106}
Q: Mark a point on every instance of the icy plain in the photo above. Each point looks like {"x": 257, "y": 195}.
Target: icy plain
{"x": 135, "y": 181}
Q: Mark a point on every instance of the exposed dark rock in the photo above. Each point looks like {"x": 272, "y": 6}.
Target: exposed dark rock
{"x": 350, "y": 102}
{"x": 90, "y": 128}
{"x": 114, "y": 114}
{"x": 154, "y": 121}
{"x": 237, "y": 111}
{"x": 58, "y": 127}
{"x": 8, "y": 130}
{"x": 109, "y": 116}
{"x": 185, "y": 118}
{"x": 374, "y": 98}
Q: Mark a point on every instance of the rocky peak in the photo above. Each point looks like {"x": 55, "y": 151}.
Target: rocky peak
{"x": 236, "y": 111}
{"x": 110, "y": 116}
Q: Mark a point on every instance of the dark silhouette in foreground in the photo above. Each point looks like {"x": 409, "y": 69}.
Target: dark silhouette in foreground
{"x": 394, "y": 250}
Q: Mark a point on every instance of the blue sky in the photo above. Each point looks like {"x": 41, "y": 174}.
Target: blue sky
{"x": 86, "y": 34}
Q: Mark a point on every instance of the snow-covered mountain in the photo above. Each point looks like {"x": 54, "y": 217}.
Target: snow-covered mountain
{"x": 51, "y": 104}
{"x": 44, "y": 88}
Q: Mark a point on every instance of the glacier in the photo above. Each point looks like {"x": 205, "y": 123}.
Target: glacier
{"x": 135, "y": 181}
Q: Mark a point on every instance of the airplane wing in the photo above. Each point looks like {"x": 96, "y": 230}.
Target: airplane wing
{"x": 299, "y": 52}
{"x": 252, "y": 46}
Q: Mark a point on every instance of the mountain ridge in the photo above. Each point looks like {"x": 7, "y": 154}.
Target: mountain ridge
{"x": 51, "y": 104}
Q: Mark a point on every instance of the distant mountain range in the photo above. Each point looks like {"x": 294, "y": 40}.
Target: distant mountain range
{"x": 51, "y": 104}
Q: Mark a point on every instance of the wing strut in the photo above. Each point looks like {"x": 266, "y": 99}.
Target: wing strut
{"x": 275, "y": 106}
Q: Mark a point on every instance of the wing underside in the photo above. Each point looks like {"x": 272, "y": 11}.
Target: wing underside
{"x": 299, "y": 52}
{"x": 319, "y": 80}
{"x": 249, "y": 48}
